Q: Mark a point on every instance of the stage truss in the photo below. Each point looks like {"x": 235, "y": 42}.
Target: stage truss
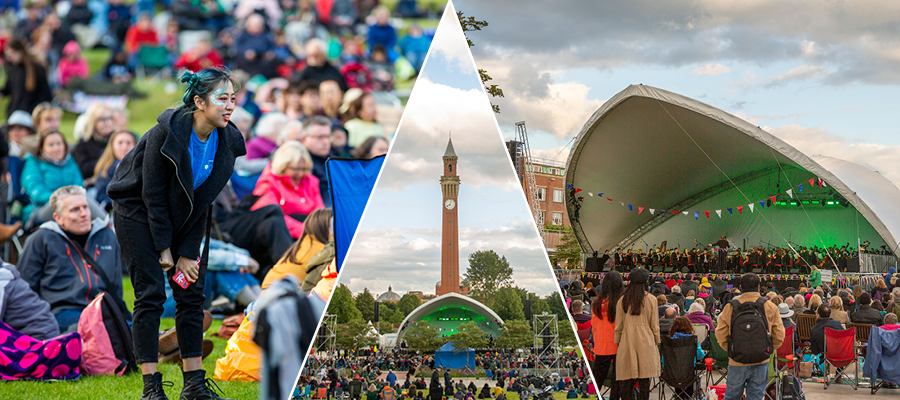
{"x": 546, "y": 343}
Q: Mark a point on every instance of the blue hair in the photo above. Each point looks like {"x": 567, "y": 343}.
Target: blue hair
{"x": 203, "y": 83}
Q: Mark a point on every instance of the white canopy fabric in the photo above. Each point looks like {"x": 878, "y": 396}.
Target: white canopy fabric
{"x": 647, "y": 147}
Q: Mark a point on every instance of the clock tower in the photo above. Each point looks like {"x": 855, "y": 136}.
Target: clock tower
{"x": 450, "y": 231}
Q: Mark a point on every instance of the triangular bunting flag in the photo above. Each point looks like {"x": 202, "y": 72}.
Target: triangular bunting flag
{"x": 629, "y": 208}
{"x": 599, "y": 194}
{"x": 569, "y": 187}
{"x": 684, "y": 212}
{"x": 652, "y": 211}
{"x": 740, "y": 210}
{"x": 707, "y": 214}
{"x": 609, "y": 199}
{"x": 790, "y": 192}
{"x": 762, "y": 204}
{"x": 719, "y": 213}
{"x": 824, "y": 184}
{"x": 640, "y": 210}
{"x": 623, "y": 204}
{"x": 674, "y": 212}
{"x": 800, "y": 186}
{"x": 577, "y": 190}
{"x": 812, "y": 181}
{"x": 696, "y": 214}
{"x": 730, "y": 212}
{"x": 821, "y": 183}
{"x": 751, "y": 207}
{"x": 662, "y": 211}
{"x": 590, "y": 194}
{"x": 773, "y": 200}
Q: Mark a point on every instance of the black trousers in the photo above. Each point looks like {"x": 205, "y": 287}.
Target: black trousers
{"x": 630, "y": 393}
{"x": 148, "y": 279}
{"x": 602, "y": 367}
{"x": 262, "y": 232}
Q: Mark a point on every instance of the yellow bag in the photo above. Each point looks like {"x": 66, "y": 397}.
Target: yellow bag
{"x": 242, "y": 356}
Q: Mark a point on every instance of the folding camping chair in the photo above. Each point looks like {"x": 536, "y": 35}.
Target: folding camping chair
{"x": 840, "y": 352}
{"x": 678, "y": 369}
{"x": 805, "y": 322}
{"x": 880, "y": 350}
{"x": 153, "y": 59}
{"x": 862, "y": 337}
{"x": 784, "y": 355}
{"x": 701, "y": 331}
{"x": 718, "y": 362}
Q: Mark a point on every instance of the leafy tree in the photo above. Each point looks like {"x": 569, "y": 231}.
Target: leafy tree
{"x": 365, "y": 303}
{"x": 567, "y": 336}
{"x": 423, "y": 337}
{"x": 538, "y": 305}
{"x": 507, "y": 304}
{"x": 487, "y": 273}
{"x": 568, "y": 252}
{"x": 355, "y": 335}
{"x": 468, "y": 336}
{"x": 408, "y": 303}
{"x": 343, "y": 306}
{"x": 471, "y": 24}
{"x": 385, "y": 327}
{"x": 515, "y": 335}
{"x": 556, "y": 305}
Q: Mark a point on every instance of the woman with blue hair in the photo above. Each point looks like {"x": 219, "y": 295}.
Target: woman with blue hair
{"x": 162, "y": 193}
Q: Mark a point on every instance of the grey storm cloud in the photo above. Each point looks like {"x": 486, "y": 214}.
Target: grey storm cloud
{"x": 856, "y": 40}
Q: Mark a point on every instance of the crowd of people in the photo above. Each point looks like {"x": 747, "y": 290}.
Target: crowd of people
{"x": 623, "y": 323}
{"x": 373, "y": 377}
{"x": 230, "y": 187}
{"x": 722, "y": 256}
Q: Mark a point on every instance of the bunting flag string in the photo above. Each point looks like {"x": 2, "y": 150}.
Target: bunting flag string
{"x": 866, "y": 281}
{"x": 768, "y": 201}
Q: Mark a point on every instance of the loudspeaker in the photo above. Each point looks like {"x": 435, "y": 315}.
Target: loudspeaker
{"x": 527, "y": 308}
{"x": 545, "y": 332}
{"x": 377, "y": 303}
{"x": 592, "y": 264}
{"x": 853, "y": 265}
{"x": 756, "y": 270}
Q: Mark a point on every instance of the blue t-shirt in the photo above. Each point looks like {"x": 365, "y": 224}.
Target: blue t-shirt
{"x": 202, "y": 156}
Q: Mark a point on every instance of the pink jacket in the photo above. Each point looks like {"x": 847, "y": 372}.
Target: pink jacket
{"x": 66, "y": 69}
{"x": 300, "y": 199}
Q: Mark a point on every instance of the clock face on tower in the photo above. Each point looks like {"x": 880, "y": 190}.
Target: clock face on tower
{"x": 449, "y": 204}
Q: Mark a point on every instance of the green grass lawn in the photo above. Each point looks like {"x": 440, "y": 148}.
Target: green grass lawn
{"x": 126, "y": 387}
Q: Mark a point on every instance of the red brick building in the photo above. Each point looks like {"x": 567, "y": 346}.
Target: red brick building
{"x": 548, "y": 177}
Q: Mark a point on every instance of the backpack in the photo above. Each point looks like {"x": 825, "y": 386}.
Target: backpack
{"x": 792, "y": 388}
{"x": 107, "y": 348}
{"x": 750, "y": 328}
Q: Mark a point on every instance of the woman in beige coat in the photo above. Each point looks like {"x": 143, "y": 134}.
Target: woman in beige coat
{"x": 637, "y": 334}
{"x": 837, "y": 311}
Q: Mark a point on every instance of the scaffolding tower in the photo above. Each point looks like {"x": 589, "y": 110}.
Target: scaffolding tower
{"x": 546, "y": 343}
{"x": 525, "y": 167}
{"x": 326, "y": 340}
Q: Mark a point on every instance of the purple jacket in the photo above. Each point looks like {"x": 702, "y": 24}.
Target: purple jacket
{"x": 260, "y": 147}
{"x": 699, "y": 317}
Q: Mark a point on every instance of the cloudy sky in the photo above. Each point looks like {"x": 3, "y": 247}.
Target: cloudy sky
{"x": 398, "y": 242}
{"x": 822, "y": 76}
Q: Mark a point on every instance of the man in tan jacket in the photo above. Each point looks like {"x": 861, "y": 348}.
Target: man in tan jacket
{"x": 751, "y": 377}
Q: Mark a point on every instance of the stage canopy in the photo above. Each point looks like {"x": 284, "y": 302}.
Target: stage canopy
{"x": 448, "y": 311}
{"x": 652, "y": 166}
{"x": 450, "y": 357}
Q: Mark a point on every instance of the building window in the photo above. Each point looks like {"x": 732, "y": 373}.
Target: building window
{"x": 542, "y": 194}
{"x": 558, "y": 195}
{"x": 557, "y": 218}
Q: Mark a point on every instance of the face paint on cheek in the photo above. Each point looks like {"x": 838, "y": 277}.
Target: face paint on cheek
{"x": 215, "y": 99}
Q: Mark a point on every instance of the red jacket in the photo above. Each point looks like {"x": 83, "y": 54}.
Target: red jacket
{"x": 211, "y": 59}
{"x": 135, "y": 39}
{"x": 293, "y": 199}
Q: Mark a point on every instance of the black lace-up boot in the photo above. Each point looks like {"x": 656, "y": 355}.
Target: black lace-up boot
{"x": 153, "y": 387}
{"x": 198, "y": 387}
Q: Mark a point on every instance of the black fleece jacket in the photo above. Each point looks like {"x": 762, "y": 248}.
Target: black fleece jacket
{"x": 154, "y": 183}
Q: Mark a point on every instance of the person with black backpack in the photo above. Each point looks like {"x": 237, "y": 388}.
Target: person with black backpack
{"x": 754, "y": 322}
